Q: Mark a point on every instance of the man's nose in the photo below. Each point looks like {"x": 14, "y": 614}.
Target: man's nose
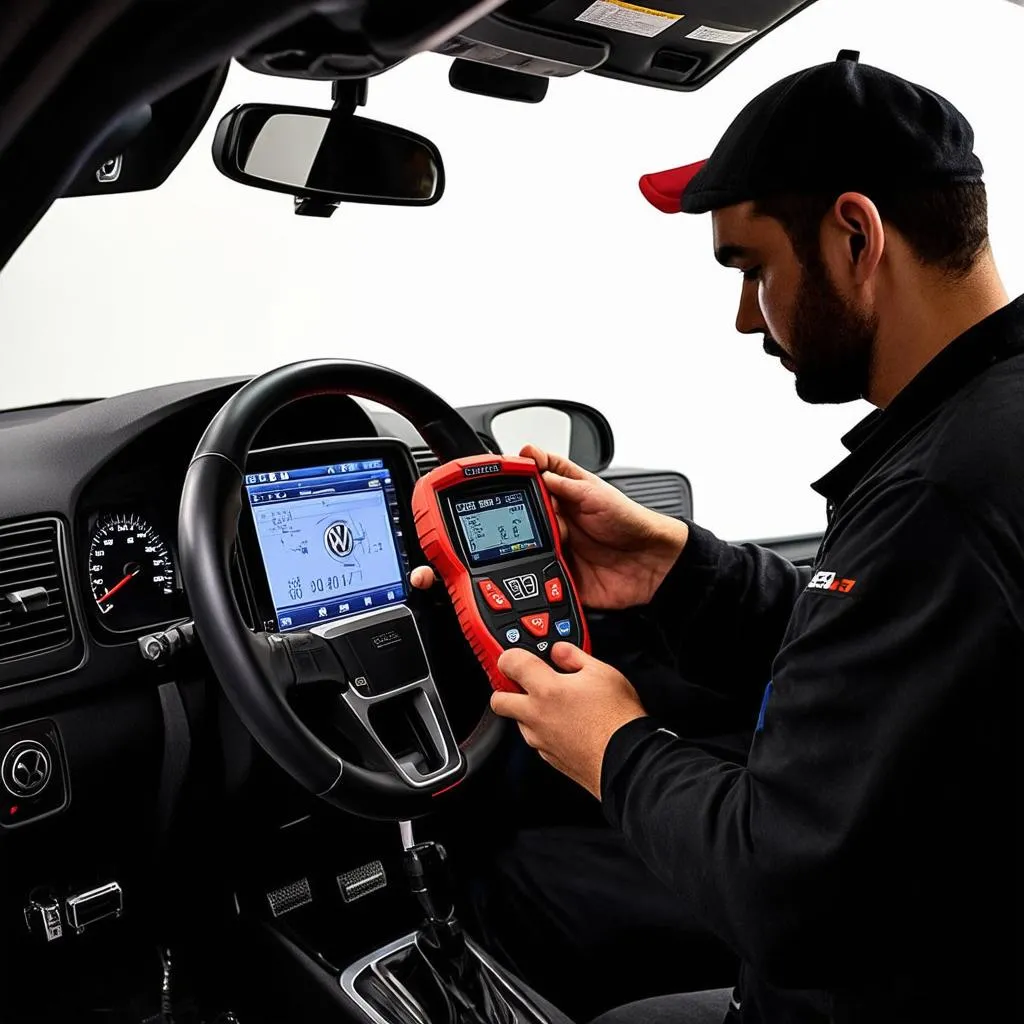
{"x": 749, "y": 319}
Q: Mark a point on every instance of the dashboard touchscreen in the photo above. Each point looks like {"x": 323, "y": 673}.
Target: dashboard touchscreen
{"x": 330, "y": 540}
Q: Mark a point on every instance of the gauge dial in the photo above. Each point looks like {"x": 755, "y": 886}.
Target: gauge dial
{"x": 131, "y": 573}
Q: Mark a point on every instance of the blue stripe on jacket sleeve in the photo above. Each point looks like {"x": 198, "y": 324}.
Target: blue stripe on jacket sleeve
{"x": 764, "y": 708}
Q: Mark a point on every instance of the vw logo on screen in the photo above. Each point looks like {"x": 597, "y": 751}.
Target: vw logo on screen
{"x": 338, "y": 540}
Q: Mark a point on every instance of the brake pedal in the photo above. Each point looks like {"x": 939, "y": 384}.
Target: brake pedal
{"x": 289, "y": 897}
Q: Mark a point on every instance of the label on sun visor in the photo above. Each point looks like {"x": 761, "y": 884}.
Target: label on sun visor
{"x": 723, "y": 36}
{"x": 623, "y": 17}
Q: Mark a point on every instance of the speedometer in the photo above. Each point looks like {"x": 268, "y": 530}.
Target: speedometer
{"x": 131, "y": 573}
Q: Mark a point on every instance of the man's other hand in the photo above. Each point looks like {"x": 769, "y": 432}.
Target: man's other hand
{"x": 568, "y": 717}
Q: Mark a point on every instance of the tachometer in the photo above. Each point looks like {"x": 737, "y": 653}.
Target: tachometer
{"x": 131, "y": 573}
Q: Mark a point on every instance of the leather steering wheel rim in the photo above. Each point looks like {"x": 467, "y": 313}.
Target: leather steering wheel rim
{"x": 211, "y": 502}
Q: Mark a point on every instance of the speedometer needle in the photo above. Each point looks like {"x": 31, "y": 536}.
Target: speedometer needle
{"x": 117, "y": 586}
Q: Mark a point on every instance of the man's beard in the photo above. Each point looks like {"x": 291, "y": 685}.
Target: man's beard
{"x": 831, "y": 344}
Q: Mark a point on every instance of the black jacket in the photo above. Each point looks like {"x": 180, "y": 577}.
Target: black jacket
{"x": 864, "y": 861}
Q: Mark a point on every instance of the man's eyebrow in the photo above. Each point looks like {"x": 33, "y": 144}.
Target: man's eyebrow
{"x": 729, "y": 255}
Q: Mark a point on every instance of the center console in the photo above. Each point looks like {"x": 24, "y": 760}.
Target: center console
{"x": 436, "y": 975}
{"x": 396, "y": 985}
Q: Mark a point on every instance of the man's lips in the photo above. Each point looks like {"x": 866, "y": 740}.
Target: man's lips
{"x": 773, "y": 348}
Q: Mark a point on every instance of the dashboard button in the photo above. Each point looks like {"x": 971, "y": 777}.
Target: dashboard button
{"x": 493, "y": 595}
{"x": 537, "y": 624}
{"x": 555, "y": 591}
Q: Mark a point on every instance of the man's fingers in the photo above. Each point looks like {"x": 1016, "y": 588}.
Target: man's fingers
{"x": 524, "y": 668}
{"x": 566, "y": 488}
{"x": 550, "y": 462}
{"x": 510, "y": 705}
{"x": 422, "y": 577}
{"x": 531, "y": 451}
{"x": 568, "y": 657}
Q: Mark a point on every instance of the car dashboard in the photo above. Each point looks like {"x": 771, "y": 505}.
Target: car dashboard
{"x": 89, "y": 567}
{"x": 115, "y": 761}
{"x": 97, "y": 487}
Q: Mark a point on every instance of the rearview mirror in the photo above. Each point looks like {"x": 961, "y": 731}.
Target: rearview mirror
{"x": 329, "y": 156}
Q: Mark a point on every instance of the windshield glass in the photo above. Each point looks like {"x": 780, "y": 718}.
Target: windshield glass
{"x": 540, "y": 272}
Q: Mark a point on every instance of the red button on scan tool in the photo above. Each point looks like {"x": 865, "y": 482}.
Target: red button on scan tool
{"x": 537, "y": 624}
{"x": 553, "y": 588}
{"x": 493, "y": 595}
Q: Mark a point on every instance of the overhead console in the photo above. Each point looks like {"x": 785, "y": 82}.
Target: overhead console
{"x": 672, "y": 44}
{"x": 503, "y": 42}
{"x": 356, "y": 40}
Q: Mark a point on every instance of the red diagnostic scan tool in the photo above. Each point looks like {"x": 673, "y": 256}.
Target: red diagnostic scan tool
{"x": 487, "y": 526}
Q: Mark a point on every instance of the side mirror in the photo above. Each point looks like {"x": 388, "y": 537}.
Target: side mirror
{"x": 327, "y": 156}
{"x": 577, "y": 431}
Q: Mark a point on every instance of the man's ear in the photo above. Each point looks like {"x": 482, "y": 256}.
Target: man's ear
{"x": 853, "y": 238}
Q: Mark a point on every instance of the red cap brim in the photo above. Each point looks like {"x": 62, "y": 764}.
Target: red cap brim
{"x": 664, "y": 189}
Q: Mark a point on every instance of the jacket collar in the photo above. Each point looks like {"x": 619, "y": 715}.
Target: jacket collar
{"x": 989, "y": 341}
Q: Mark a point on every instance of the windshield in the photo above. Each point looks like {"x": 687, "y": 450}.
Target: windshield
{"x": 541, "y": 272}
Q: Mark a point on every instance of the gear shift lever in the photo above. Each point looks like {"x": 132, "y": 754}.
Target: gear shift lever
{"x": 472, "y": 995}
{"x": 426, "y": 866}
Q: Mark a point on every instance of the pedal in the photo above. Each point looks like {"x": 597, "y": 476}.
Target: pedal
{"x": 289, "y": 897}
{"x": 361, "y": 881}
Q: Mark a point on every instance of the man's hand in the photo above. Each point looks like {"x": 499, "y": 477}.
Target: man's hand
{"x": 619, "y": 551}
{"x": 568, "y": 718}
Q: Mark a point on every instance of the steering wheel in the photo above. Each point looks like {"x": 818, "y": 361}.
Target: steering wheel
{"x": 263, "y": 673}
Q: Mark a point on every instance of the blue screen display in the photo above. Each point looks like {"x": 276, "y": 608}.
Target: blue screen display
{"x": 330, "y": 538}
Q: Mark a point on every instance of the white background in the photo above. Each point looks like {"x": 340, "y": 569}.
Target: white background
{"x": 542, "y": 270}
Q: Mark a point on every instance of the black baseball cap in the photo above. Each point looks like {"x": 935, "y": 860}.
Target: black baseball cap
{"x": 837, "y": 127}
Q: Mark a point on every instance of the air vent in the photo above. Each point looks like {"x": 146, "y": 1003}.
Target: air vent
{"x": 34, "y": 615}
{"x": 426, "y": 460}
{"x": 664, "y": 492}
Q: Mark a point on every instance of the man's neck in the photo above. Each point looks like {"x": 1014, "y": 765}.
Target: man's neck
{"x": 927, "y": 313}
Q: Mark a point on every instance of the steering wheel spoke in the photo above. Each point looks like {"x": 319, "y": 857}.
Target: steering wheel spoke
{"x": 393, "y": 701}
{"x": 300, "y": 660}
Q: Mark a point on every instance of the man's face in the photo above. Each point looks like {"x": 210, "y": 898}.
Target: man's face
{"x": 803, "y": 317}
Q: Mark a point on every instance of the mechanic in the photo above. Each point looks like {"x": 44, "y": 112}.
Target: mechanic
{"x": 863, "y": 861}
